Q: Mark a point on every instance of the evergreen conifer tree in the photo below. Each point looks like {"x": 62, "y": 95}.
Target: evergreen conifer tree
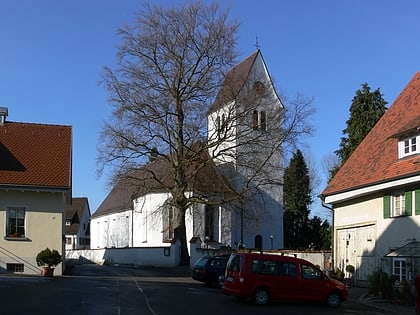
{"x": 366, "y": 109}
{"x": 297, "y": 200}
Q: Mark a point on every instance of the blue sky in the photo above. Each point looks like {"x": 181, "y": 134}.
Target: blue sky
{"x": 52, "y": 54}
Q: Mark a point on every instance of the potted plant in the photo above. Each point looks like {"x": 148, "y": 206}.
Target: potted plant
{"x": 48, "y": 259}
{"x": 350, "y": 270}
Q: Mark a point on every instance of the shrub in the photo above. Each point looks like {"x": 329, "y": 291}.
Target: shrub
{"x": 380, "y": 284}
{"x": 49, "y": 258}
{"x": 339, "y": 275}
{"x": 350, "y": 269}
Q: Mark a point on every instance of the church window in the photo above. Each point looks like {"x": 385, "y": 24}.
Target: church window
{"x": 259, "y": 120}
{"x": 209, "y": 223}
{"x": 255, "y": 120}
{"x": 263, "y": 121}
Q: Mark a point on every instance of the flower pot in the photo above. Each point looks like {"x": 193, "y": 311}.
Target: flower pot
{"x": 47, "y": 272}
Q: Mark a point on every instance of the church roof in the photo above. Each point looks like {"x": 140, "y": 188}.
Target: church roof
{"x": 156, "y": 177}
{"x": 234, "y": 81}
{"x": 376, "y": 160}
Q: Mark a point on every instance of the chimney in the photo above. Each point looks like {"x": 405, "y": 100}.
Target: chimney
{"x": 4, "y": 112}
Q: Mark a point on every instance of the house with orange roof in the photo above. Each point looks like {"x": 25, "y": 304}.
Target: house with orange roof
{"x": 137, "y": 213}
{"x": 77, "y": 224}
{"x": 35, "y": 187}
{"x": 375, "y": 196}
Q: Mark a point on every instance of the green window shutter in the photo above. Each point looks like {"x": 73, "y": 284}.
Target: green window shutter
{"x": 408, "y": 202}
{"x": 417, "y": 201}
{"x": 387, "y": 206}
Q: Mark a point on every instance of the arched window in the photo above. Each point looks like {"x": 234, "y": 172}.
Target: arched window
{"x": 258, "y": 242}
{"x": 255, "y": 120}
{"x": 209, "y": 222}
{"x": 263, "y": 121}
{"x": 259, "y": 120}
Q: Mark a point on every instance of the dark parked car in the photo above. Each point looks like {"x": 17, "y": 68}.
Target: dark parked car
{"x": 208, "y": 269}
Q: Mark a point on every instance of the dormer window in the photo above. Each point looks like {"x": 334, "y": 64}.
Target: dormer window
{"x": 408, "y": 146}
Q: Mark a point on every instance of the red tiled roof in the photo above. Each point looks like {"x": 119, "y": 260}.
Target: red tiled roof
{"x": 35, "y": 155}
{"x": 375, "y": 160}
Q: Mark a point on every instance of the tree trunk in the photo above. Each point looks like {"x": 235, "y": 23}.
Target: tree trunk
{"x": 180, "y": 233}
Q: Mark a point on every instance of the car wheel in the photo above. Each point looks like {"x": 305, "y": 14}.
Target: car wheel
{"x": 261, "y": 296}
{"x": 334, "y": 299}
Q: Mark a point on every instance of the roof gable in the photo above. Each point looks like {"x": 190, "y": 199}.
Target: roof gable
{"x": 74, "y": 213}
{"x": 242, "y": 79}
{"x": 35, "y": 155}
{"x": 376, "y": 160}
{"x": 234, "y": 81}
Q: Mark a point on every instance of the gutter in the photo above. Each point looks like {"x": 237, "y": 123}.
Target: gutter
{"x": 332, "y": 229}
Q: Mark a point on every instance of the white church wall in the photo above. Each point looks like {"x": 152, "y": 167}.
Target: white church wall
{"x": 112, "y": 230}
{"x": 148, "y": 220}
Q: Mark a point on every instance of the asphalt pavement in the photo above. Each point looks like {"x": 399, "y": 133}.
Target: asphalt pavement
{"x": 356, "y": 294}
{"x": 360, "y": 295}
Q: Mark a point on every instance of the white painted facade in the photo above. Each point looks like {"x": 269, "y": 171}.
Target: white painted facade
{"x": 363, "y": 236}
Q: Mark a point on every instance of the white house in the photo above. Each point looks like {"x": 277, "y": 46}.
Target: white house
{"x": 134, "y": 216}
{"x": 77, "y": 224}
{"x": 375, "y": 195}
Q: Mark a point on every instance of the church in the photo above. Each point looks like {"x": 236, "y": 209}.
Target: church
{"x": 133, "y": 216}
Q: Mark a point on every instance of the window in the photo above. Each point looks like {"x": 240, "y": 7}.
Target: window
{"x": 398, "y": 268}
{"x": 408, "y": 146}
{"x": 264, "y": 267}
{"x": 15, "y": 267}
{"x": 286, "y": 269}
{"x": 259, "y": 120}
{"x": 168, "y": 222}
{"x": 309, "y": 272}
{"x": 255, "y": 120}
{"x": 273, "y": 267}
{"x": 15, "y": 222}
{"x": 209, "y": 222}
{"x": 221, "y": 125}
{"x": 263, "y": 121}
{"x": 398, "y": 205}
{"x": 402, "y": 204}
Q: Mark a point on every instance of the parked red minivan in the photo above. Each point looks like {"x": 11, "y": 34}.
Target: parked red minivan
{"x": 264, "y": 277}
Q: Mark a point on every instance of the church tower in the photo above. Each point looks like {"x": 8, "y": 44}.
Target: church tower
{"x": 244, "y": 136}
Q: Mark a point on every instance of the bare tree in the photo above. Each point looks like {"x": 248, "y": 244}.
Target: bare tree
{"x": 171, "y": 65}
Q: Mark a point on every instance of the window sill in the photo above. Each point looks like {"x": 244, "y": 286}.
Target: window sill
{"x": 18, "y": 239}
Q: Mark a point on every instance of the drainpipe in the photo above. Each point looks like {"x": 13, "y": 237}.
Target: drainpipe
{"x": 332, "y": 230}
